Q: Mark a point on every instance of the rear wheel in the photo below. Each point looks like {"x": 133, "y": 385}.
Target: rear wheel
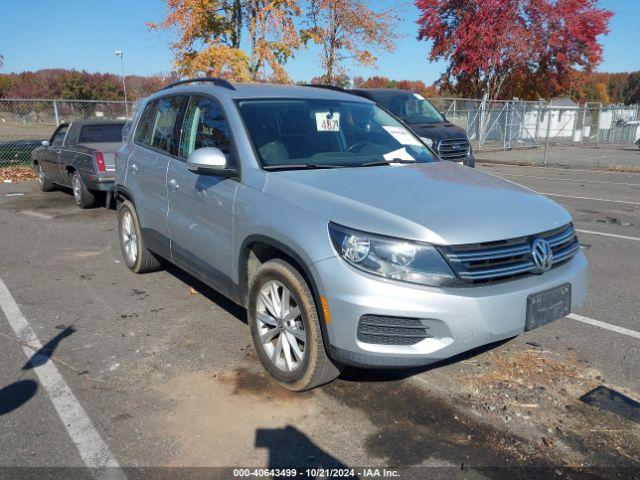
{"x": 83, "y": 197}
{"x": 136, "y": 255}
{"x": 46, "y": 185}
{"x": 285, "y": 327}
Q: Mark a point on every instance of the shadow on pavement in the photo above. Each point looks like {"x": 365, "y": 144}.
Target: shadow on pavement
{"x": 17, "y": 394}
{"x": 43, "y": 355}
{"x": 208, "y": 292}
{"x": 290, "y": 448}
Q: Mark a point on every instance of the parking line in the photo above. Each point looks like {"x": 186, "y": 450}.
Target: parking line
{"x": 93, "y": 450}
{"x": 498, "y": 165}
{"x": 570, "y": 179}
{"x": 606, "y": 326}
{"x": 590, "y": 198}
{"x": 624, "y": 237}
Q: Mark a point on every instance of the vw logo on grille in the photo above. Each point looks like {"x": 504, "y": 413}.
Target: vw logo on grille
{"x": 542, "y": 255}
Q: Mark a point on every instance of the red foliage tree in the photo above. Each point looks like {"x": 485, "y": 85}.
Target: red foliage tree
{"x": 527, "y": 48}
{"x": 76, "y": 85}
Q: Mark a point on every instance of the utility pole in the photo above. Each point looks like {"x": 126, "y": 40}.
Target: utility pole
{"x": 120, "y": 53}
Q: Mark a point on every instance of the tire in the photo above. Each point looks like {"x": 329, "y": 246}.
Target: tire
{"x": 268, "y": 329}
{"x": 136, "y": 255}
{"x": 46, "y": 185}
{"x": 470, "y": 162}
{"x": 83, "y": 197}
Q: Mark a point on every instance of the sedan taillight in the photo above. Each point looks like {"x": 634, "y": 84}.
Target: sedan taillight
{"x": 100, "y": 161}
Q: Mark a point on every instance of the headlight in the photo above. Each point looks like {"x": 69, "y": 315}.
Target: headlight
{"x": 392, "y": 258}
{"x": 428, "y": 141}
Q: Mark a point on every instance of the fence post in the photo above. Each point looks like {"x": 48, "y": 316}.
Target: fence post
{"x": 55, "y": 111}
{"x": 506, "y": 123}
{"x": 546, "y": 143}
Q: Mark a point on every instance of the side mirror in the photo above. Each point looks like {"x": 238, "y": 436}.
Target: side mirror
{"x": 45, "y": 143}
{"x": 209, "y": 161}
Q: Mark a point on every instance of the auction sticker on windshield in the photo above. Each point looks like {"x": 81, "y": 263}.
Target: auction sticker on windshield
{"x": 400, "y": 154}
{"x": 402, "y": 136}
{"x": 328, "y": 121}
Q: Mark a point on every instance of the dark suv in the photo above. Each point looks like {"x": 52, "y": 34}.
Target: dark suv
{"x": 419, "y": 114}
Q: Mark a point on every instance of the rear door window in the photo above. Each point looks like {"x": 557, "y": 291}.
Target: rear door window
{"x": 145, "y": 125}
{"x": 204, "y": 126}
{"x": 159, "y": 126}
{"x": 107, "y": 133}
{"x": 165, "y": 133}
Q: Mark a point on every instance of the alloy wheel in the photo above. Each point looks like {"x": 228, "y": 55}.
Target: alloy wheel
{"x": 77, "y": 189}
{"x": 280, "y": 326}
{"x": 129, "y": 237}
{"x": 40, "y": 176}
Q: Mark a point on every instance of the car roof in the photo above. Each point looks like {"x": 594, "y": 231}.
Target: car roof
{"x": 96, "y": 121}
{"x": 380, "y": 90}
{"x": 262, "y": 90}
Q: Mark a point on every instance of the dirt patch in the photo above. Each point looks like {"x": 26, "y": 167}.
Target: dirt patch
{"x": 620, "y": 169}
{"x": 536, "y": 392}
{"x": 16, "y": 174}
{"x": 228, "y": 418}
{"x": 416, "y": 428}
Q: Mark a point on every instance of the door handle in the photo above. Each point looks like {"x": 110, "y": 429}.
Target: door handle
{"x": 134, "y": 167}
{"x": 173, "y": 185}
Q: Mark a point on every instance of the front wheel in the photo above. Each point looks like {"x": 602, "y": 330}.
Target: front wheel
{"x": 285, "y": 327}
{"x": 46, "y": 185}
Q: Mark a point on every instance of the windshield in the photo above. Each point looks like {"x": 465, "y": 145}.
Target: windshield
{"x": 410, "y": 107}
{"x": 327, "y": 133}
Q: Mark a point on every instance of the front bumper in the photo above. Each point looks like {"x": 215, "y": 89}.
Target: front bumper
{"x": 460, "y": 318}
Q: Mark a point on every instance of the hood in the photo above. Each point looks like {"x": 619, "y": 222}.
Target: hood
{"x": 438, "y": 131}
{"x": 440, "y": 202}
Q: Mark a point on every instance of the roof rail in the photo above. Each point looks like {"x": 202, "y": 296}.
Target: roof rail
{"x": 323, "y": 85}
{"x": 220, "y": 82}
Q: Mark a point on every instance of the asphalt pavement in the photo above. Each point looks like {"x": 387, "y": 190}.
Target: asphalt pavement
{"x": 163, "y": 370}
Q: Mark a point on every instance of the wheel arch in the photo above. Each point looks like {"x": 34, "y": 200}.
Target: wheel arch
{"x": 121, "y": 194}
{"x": 258, "y": 249}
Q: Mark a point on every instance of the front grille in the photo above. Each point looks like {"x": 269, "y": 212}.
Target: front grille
{"x": 383, "y": 330}
{"x": 491, "y": 261}
{"x": 453, "y": 149}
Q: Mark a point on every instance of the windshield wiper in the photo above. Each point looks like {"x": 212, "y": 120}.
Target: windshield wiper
{"x": 377, "y": 163}
{"x": 298, "y": 166}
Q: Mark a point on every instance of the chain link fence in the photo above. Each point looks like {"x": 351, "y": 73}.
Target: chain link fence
{"x": 555, "y": 133}
{"x": 24, "y": 124}
{"x": 558, "y": 132}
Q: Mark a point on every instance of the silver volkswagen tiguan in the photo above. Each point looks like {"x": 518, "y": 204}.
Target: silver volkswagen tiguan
{"x": 348, "y": 241}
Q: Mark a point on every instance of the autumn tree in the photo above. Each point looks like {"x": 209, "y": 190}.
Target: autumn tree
{"x": 77, "y": 85}
{"x": 632, "y": 89}
{"x": 209, "y": 33}
{"x": 525, "y": 48}
{"x": 273, "y": 36}
{"x": 349, "y": 30}
{"x": 342, "y": 80}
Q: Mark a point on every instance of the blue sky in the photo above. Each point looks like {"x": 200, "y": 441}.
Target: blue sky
{"x": 83, "y": 34}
